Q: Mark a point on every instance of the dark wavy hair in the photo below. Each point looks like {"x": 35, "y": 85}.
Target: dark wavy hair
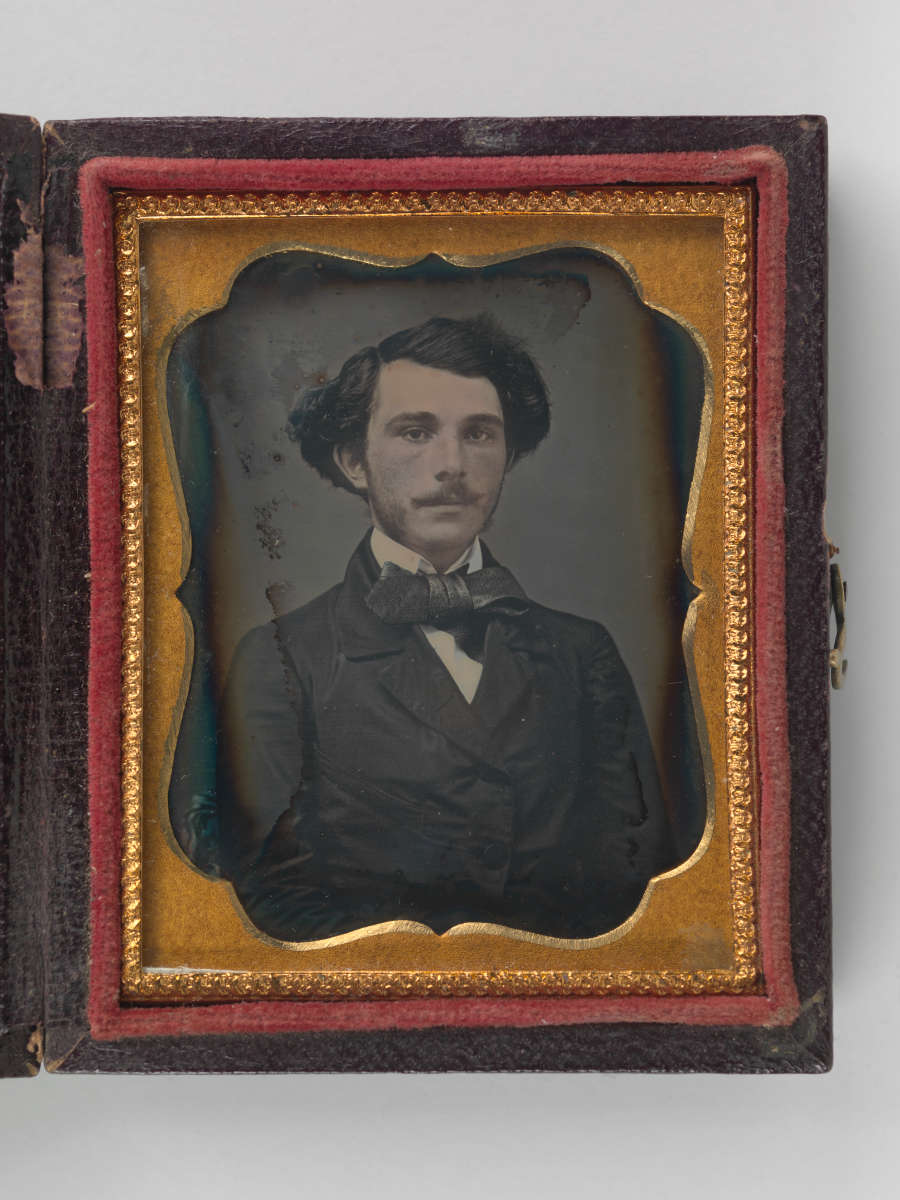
{"x": 337, "y": 412}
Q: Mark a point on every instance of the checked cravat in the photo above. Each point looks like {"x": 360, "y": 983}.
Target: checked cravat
{"x": 462, "y": 604}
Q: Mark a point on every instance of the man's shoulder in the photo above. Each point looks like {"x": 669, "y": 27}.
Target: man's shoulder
{"x": 308, "y": 624}
{"x": 312, "y": 621}
{"x": 586, "y": 644}
{"x": 580, "y": 631}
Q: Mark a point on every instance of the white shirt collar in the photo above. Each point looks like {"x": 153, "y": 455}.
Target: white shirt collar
{"x": 386, "y": 549}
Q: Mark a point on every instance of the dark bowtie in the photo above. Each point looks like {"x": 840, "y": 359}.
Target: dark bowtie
{"x": 460, "y": 603}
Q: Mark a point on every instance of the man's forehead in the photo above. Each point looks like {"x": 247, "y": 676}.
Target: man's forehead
{"x": 406, "y": 386}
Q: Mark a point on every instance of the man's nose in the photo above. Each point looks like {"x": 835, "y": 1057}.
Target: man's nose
{"x": 448, "y": 458}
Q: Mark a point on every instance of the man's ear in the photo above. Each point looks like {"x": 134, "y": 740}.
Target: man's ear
{"x": 349, "y": 461}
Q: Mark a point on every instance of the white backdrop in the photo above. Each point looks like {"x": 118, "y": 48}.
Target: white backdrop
{"x": 527, "y": 1136}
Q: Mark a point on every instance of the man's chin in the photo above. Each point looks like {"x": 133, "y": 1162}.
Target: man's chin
{"x": 442, "y": 537}
{"x": 451, "y": 528}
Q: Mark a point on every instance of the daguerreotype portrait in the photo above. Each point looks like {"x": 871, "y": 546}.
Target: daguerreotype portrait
{"x": 425, "y": 527}
{"x": 433, "y": 542}
{"x": 437, "y": 620}
{"x": 427, "y": 741}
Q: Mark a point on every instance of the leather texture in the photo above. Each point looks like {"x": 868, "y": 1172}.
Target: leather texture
{"x": 57, "y": 427}
{"x": 22, "y": 729}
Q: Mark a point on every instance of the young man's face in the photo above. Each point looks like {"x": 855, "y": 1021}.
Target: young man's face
{"x": 435, "y": 458}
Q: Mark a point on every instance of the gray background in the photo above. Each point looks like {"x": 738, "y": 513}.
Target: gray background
{"x": 501, "y": 1136}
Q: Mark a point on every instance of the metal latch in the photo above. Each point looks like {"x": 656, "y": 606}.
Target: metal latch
{"x": 836, "y": 659}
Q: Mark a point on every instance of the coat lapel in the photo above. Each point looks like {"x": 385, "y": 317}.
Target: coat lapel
{"x": 417, "y": 679}
{"x": 507, "y": 679}
{"x": 360, "y": 633}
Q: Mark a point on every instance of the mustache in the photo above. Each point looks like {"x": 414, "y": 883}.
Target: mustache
{"x": 456, "y": 495}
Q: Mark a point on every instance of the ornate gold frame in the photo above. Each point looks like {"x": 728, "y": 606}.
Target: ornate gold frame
{"x": 734, "y": 207}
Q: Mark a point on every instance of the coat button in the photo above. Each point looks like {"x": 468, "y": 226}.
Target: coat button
{"x": 494, "y": 855}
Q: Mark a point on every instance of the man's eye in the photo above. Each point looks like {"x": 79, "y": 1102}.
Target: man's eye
{"x": 480, "y": 434}
{"x": 415, "y": 434}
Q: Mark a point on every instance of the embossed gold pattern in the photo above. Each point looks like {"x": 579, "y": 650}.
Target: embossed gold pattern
{"x": 128, "y": 306}
{"x": 733, "y": 206}
{"x": 737, "y": 569}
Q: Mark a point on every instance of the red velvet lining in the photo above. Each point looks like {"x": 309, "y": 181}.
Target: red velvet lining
{"x": 756, "y": 164}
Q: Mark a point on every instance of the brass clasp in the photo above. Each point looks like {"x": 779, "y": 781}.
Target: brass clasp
{"x": 836, "y": 659}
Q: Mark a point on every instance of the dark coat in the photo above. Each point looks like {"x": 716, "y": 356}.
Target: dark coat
{"x": 356, "y": 785}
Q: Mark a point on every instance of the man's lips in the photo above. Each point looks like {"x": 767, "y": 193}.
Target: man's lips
{"x": 445, "y": 502}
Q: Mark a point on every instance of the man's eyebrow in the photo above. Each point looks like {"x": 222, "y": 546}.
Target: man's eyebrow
{"x": 431, "y": 419}
{"x": 416, "y": 418}
{"x": 484, "y": 419}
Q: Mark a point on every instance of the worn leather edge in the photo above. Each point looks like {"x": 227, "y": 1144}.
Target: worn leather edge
{"x": 807, "y": 578}
{"x": 21, "y": 740}
{"x": 804, "y": 1046}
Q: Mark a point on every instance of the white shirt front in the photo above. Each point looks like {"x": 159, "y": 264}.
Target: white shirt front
{"x": 465, "y": 671}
